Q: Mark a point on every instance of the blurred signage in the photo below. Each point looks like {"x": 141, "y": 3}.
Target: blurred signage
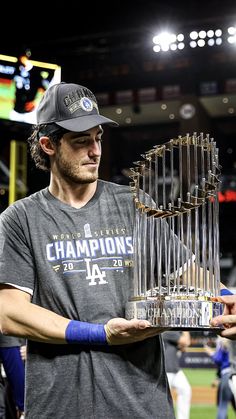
{"x": 147, "y": 94}
{"x": 227, "y": 191}
{"x": 124, "y": 96}
{"x": 230, "y": 86}
{"x": 209, "y": 88}
{"x": 171, "y": 92}
{"x": 196, "y": 358}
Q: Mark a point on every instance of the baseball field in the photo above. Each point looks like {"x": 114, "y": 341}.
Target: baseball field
{"x": 203, "y": 404}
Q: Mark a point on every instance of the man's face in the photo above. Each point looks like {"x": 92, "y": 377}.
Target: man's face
{"x": 77, "y": 158}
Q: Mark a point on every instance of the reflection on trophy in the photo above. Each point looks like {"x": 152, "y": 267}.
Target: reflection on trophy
{"x": 176, "y": 234}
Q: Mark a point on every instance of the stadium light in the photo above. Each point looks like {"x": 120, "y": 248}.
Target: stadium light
{"x": 232, "y": 35}
{"x": 205, "y": 38}
{"x": 168, "y": 41}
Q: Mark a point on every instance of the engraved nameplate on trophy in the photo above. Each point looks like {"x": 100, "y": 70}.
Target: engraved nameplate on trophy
{"x": 176, "y": 234}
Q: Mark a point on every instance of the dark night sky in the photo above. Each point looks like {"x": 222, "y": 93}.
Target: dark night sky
{"x": 46, "y": 30}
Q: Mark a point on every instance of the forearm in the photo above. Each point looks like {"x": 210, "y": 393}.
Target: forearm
{"x": 21, "y": 318}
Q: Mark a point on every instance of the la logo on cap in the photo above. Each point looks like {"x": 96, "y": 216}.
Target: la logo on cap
{"x": 86, "y": 104}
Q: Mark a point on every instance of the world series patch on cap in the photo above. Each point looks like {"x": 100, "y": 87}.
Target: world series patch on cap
{"x": 71, "y": 106}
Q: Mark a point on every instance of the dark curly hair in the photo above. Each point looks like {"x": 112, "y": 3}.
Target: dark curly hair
{"x": 54, "y": 132}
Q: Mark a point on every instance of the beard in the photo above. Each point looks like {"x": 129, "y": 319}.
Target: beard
{"x": 76, "y": 172}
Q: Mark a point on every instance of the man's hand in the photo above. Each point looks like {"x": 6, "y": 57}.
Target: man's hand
{"x": 184, "y": 341}
{"x": 228, "y": 318}
{"x": 23, "y": 352}
{"x": 120, "y": 331}
{"x": 19, "y": 414}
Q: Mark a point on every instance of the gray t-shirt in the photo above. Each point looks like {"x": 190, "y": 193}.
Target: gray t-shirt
{"x": 10, "y": 341}
{"x": 77, "y": 264}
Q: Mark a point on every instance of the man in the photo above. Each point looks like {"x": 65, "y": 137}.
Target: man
{"x": 221, "y": 357}
{"x": 228, "y": 321}
{"x": 65, "y": 274}
{"x": 176, "y": 342}
{"x": 13, "y": 386}
{"x": 232, "y": 360}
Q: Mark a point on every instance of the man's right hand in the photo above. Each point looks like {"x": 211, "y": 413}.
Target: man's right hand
{"x": 228, "y": 318}
{"x": 120, "y": 331}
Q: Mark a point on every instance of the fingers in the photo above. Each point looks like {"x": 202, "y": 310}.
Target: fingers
{"x": 138, "y": 324}
{"x": 123, "y": 325}
{"x": 229, "y": 302}
{"x": 120, "y": 331}
{"x": 229, "y": 333}
{"x": 229, "y": 320}
{"x": 23, "y": 352}
{"x": 229, "y": 299}
{"x": 229, "y": 323}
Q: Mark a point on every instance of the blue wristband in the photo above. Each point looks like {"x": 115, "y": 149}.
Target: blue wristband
{"x": 225, "y": 291}
{"x": 85, "y": 333}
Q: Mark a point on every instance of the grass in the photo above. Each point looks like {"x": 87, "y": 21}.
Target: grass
{"x": 204, "y": 377}
{"x": 207, "y": 412}
{"x": 200, "y": 376}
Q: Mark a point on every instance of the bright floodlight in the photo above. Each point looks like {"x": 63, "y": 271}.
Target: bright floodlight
{"x": 232, "y": 39}
{"x": 232, "y": 35}
{"x": 232, "y": 30}
{"x": 193, "y": 35}
{"x": 202, "y": 34}
{"x": 180, "y": 37}
{"x": 211, "y": 42}
{"x": 193, "y": 44}
{"x": 201, "y": 43}
{"x": 166, "y": 41}
{"x": 210, "y": 33}
{"x": 206, "y": 38}
{"x": 218, "y": 32}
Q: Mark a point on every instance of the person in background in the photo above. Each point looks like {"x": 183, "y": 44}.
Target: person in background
{"x": 232, "y": 361}
{"x": 220, "y": 357}
{"x": 227, "y": 323}
{"x": 12, "y": 390}
{"x": 30, "y": 82}
{"x": 66, "y": 266}
{"x": 176, "y": 342}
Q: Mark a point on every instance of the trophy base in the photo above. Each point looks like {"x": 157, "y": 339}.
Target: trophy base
{"x": 175, "y": 313}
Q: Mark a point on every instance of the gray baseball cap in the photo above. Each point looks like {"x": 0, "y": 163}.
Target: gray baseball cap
{"x": 70, "y": 106}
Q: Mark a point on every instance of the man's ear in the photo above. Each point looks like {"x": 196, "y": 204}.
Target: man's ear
{"x": 47, "y": 145}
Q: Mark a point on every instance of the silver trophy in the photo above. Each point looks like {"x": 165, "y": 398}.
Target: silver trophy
{"x": 176, "y": 234}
